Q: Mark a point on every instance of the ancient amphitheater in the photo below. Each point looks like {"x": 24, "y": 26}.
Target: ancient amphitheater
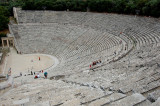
{"x": 128, "y": 46}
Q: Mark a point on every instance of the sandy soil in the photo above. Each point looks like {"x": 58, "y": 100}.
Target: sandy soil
{"x": 26, "y": 63}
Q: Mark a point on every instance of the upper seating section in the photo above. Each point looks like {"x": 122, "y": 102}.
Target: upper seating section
{"x": 144, "y": 30}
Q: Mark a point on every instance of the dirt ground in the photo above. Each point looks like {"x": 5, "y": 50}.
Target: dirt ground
{"x": 25, "y": 63}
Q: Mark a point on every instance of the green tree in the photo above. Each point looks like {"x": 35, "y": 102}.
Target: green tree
{"x": 29, "y": 5}
{"x": 3, "y": 18}
{"x": 130, "y": 7}
{"x": 14, "y": 3}
{"x": 146, "y": 7}
{"x": 152, "y": 8}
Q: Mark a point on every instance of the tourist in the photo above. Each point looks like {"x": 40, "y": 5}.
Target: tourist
{"x": 7, "y": 76}
{"x": 31, "y": 73}
{"x": 89, "y": 66}
{"x": 97, "y": 62}
{"x": 39, "y": 58}
{"x": 9, "y": 71}
{"x": 115, "y": 53}
{"x": 94, "y": 63}
{"x": 120, "y": 42}
{"x": 38, "y": 75}
{"x": 20, "y": 73}
{"x": 45, "y": 74}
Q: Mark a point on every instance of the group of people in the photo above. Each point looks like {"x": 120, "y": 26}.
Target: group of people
{"x": 19, "y": 52}
{"x": 38, "y": 76}
{"x": 95, "y": 63}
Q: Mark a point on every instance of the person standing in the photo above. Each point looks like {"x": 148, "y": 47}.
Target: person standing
{"x": 115, "y": 53}
{"x": 90, "y": 66}
{"x": 45, "y": 75}
{"x": 38, "y": 75}
{"x": 9, "y": 71}
{"x": 20, "y": 73}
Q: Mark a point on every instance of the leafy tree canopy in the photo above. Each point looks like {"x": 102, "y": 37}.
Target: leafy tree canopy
{"x": 3, "y": 17}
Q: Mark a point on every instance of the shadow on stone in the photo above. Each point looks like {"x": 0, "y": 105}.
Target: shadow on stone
{"x": 57, "y": 77}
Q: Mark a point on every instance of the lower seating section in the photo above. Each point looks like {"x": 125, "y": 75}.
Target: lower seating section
{"x": 54, "y": 92}
{"x": 49, "y": 92}
{"x": 128, "y": 47}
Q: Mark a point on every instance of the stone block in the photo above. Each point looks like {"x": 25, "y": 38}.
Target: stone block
{"x": 21, "y": 102}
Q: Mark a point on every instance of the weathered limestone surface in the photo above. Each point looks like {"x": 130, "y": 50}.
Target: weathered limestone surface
{"x": 108, "y": 99}
{"x": 156, "y": 103}
{"x": 130, "y": 100}
{"x": 21, "y": 102}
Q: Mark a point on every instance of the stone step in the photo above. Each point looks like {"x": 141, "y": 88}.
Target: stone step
{"x": 46, "y": 103}
{"x": 108, "y": 99}
{"x": 144, "y": 103}
{"x": 157, "y": 103}
{"x": 92, "y": 96}
{"x": 133, "y": 77}
{"x": 21, "y": 102}
{"x": 153, "y": 96}
{"x": 147, "y": 87}
{"x": 129, "y": 101}
{"x": 73, "y": 102}
{"x": 2, "y": 76}
{"x": 139, "y": 84}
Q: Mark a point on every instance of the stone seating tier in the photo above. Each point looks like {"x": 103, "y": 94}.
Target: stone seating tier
{"x": 79, "y": 38}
